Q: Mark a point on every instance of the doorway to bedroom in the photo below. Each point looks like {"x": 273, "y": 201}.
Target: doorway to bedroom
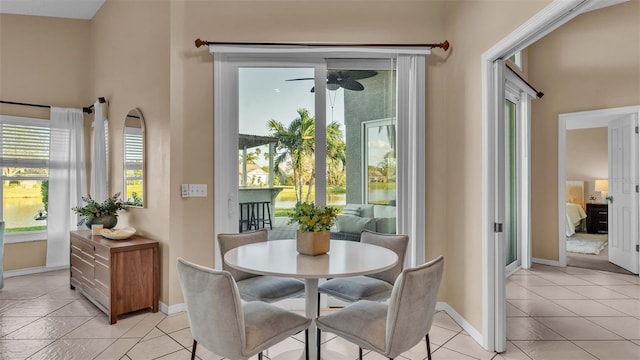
{"x": 597, "y": 235}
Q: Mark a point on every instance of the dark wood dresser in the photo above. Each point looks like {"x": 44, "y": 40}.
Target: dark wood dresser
{"x": 597, "y": 218}
{"x": 118, "y": 276}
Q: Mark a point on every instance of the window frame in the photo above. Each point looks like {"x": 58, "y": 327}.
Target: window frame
{"x": 25, "y": 236}
{"x": 366, "y": 125}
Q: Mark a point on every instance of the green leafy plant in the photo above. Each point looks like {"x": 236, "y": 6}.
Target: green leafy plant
{"x": 93, "y": 209}
{"x": 312, "y": 218}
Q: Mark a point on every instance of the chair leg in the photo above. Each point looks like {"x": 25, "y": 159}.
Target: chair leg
{"x": 193, "y": 350}
{"x": 428, "y": 347}
{"x": 359, "y": 353}
{"x": 319, "y": 342}
{"x": 260, "y": 355}
{"x": 306, "y": 344}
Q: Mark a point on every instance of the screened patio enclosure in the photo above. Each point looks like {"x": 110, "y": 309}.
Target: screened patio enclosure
{"x": 256, "y": 191}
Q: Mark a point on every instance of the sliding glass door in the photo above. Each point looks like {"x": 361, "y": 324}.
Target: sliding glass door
{"x": 276, "y": 145}
{"x": 343, "y": 156}
{"x": 363, "y": 154}
{"x": 511, "y": 181}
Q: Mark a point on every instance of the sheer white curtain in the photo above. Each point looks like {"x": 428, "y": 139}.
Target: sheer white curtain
{"x": 99, "y": 176}
{"x": 67, "y": 181}
{"x": 411, "y": 153}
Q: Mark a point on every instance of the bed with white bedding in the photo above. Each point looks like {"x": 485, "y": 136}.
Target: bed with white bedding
{"x": 574, "y": 191}
{"x": 575, "y": 214}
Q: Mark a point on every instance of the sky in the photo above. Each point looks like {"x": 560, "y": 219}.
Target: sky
{"x": 265, "y": 93}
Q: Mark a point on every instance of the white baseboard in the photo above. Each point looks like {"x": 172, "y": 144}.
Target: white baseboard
{"x": 33, "y": 270}
{"x": 475, "y": 334}
{"x": 176, "y": 308}
{"x": 546, "y": 262}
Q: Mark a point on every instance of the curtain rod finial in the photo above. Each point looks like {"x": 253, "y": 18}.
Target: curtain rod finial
{"x": 201, "y": 42}
{"x": 445, "y": 45}
{"x": 102, "y": 100}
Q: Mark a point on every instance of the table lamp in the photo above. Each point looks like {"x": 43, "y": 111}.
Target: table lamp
{"x": 602, "y": 186}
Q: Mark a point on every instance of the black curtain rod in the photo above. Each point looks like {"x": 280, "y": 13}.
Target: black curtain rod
{"x": 444, "y": 45}
{"x": 539, "y": 94}
{"x": 88, "y": 109}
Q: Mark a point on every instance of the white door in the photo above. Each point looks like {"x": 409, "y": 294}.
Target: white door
{"x": 623, "y": 195}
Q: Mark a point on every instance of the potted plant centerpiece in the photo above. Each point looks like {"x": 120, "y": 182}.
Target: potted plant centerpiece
{"x": 105, "y": 213}
{"x": 314, "y": 223}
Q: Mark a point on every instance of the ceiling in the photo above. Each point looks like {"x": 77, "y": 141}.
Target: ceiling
{"x": 74, "y": 9}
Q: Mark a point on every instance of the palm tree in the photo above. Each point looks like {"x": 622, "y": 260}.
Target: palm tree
{"x": 251, "y": 158}
{"x": 336, "y": 155}
{"x": 296, "y": 144}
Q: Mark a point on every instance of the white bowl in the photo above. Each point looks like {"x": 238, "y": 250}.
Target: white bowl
{"x": 118, "y": 234}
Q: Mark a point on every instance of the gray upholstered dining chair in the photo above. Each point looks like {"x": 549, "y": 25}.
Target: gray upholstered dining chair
{"x": 254, "y": 287}
{"x": 391, "y": 329}
{"x": 220, "y": 322}
{"x": 377, "y": 286}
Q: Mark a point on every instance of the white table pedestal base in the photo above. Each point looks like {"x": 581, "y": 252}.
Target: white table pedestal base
{"x": 311, "y": 311}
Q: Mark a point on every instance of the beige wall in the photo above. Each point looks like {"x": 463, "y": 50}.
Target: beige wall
{"x": 592, "y": 62}
{"x": 42, "y": 61}
{"x": 472, "y": 27}
{"x": 130, "y": 68}
{"x": 24, "y": 255}
{"x": 587, "y": 154}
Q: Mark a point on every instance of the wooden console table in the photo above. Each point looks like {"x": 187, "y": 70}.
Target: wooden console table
{"x": 118, "y": 276}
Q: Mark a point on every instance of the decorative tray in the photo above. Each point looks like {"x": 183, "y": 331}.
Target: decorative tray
{"x": 118, "y": 234}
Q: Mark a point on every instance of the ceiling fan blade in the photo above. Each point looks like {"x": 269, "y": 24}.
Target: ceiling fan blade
{"x": 357, "y": 74}
{"x": 351, "y": 84}
{"x": 313, "y": 89}
{"x": 300, "y": 79}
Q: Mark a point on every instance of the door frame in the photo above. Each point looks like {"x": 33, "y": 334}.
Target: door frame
{"x": 547, "y": 20}
{"x": 572, "y": 121}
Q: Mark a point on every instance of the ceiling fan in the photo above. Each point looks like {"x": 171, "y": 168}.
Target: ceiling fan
{"x": 346, "y": 79}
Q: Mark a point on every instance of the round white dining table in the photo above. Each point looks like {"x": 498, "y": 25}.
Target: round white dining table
{"x": 280, "y": 258}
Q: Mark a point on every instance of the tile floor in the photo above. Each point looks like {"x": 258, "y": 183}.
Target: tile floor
{"x": 552, "y": 313}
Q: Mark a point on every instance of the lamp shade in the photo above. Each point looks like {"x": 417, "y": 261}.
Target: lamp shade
{"x": 602, "y": 185}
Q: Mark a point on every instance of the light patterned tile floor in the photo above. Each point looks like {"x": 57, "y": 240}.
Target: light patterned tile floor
{"x": 552, "y": 313}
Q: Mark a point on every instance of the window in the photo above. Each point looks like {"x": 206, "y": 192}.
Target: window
{"x": 24, "y": 165}
{"x": 516, "y": 59}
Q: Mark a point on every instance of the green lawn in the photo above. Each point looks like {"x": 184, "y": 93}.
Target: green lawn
{"x": 28, "y": 228}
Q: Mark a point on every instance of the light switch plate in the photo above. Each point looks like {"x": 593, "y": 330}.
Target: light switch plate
{"x": 184, "y": 190}
{"x": 198, "y": 190}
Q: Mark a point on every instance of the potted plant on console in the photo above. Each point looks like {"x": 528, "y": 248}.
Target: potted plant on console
{"x": 314, "y": 224}
{"x": 105, "y": 213}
